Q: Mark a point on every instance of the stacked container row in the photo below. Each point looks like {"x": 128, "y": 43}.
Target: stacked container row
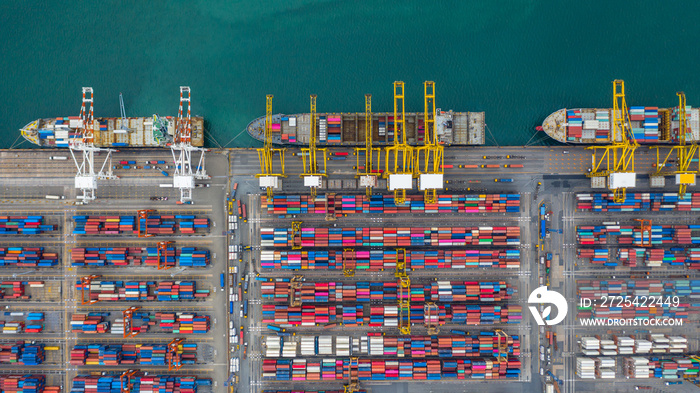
{"x": 143, "y": 290}
{"x": 630, "y": 234}
{"x": 392, "y": 237}
{"x": 378, "y": 260}
{"x": 141, "y": 354}
{"x": 24, "y": 225}
{"x": 364, "y": 291}
{"x": 384, "y": 204}
{"x": 629, "y": 345}
{"x": 164, "y": 322}
{"x": 138, "y": 256}
{"x": 29, "y": 383}
{"x": 155, "y": 224}
{"x": 17, "y": 289}
{"x": 22, "y": 353}
{"x": 675, "y": 368}
{"x": 32, "y": 322}
{"x": 670, "y": 201}
{"x": 27, "y": 257}
{"x": 140, "y": 384}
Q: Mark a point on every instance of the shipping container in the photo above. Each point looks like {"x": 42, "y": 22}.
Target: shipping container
{"x": 24, "y": 225}
{"x": 139, "y": 256}
{"x": 27, "y": 257}
{"x": 130, "y": 354}
{"x": 140, "y": 383}
{"x": 635, "y": 202}
{"x": 102, "y": 290}
{"x": 27, "y": 383}
{"x": 154, "y": 224}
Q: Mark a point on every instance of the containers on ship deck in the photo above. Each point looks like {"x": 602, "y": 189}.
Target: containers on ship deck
{"x": 24, "y": 225}
{"x": 27, "y": 257}
{"x": 377, "y": 260}
{"x": 384, "y": 204}
{"x": 363, "y": 291}
{"x": 603, "y": 202}
{"x": 143, "y": 290}
{"x": 138, "y": 256}
{"x": 393, "y": 237}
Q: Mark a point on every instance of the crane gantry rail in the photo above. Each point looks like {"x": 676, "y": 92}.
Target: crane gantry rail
{"x": 268, "y": 178}
{"x": 615, "y": 161}
{"x": 399, "y": 156}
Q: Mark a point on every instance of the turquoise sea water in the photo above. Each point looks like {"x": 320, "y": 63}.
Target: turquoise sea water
{"x": 517, "y": 60}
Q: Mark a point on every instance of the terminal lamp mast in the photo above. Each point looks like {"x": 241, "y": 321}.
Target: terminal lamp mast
{"x": 399, "y": 156}
{"x": 83, "y": 150}
{"x": 616, "y": 160}
{"x": 430, "y": 156}
{"x": 685, "y": 153}
{"x": 311, "y": 175}
{"x": 182, "y": 149}
{"x": 268, "y": 178}
{"x": 368, "y": 174}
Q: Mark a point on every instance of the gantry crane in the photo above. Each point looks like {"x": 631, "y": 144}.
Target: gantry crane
{"x": 124, "y": 126}
{"x": 311, "y": 175}
{"x": 163, "y": 255}
{"x": 182, "y": 149}
{"x": 404, "y": 289}
{"x": 296, "y": 235}
{"x": 85, "y": 282}
{"x": 142, "y": 216}
{"x": 616, "y": 162}
{"x": 125, "y": 380}
{"x": 502, "y": 345}
{"x": 268, "y": 178}
{"x": 294, "y": 286}
{"x": 367, "y": 174}
{"x": 430, "y": 156}
{"x": 430, "y": 309}
{"x": 174, "y": 354}
{"x": 128, "y": 316}
{"x": 353, "y": 376}
{"x": 684, "y": 153}
{"x": 84, "y": 145}
{"x": 349, "y": 262}
{"x": 644, "y": 232}
{"x": 399, "y": 156}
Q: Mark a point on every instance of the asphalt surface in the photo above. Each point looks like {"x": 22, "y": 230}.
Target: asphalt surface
{"x": 27, "y": 176}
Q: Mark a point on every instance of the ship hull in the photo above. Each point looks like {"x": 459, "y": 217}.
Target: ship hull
{"x": 154, "y": 131}
{"x": 348, "y": 129}
{"x": 592, "y": 126}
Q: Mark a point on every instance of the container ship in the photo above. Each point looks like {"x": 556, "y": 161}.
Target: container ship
{"x": 154, "y": 131}
{"x": 348, "y": 129}
{"x": 650, "y": 125}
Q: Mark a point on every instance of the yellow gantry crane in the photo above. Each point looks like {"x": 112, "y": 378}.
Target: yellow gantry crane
{"x": 311, "y": 175}
{"x": 684, "y": 153}
{"x": 367, "y": 174}
{"x": 399, "y": 156}
{"x": 268, "y": 178}
{"x": 430, "y": 156}
{"x": 404, "y": 292}
{"x": 616, "y": 160}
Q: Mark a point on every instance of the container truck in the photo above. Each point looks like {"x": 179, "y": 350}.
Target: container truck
{"x": 60, "y": 158}
{"x": 164, "y": 173}
{"x": 55, "y": 197}
{"x": 503, "y": 180}
{"x": 223, "y": 281}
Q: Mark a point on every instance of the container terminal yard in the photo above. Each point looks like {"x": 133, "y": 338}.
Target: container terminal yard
{"x": 334, "y": 270}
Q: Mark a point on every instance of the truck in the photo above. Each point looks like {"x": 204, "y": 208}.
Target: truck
{"x": 55, "y": 197}
{"x": 164, "y": 173}
{"x": 233, "y": 196}
{"x": 543, "y": 223}
{"x": 513, "y": 166}
{"x": 245, "y": 214}
{"x": 223, "y": 281}
{"x": 503, "y": 180}
{"x": 230, "y": 307}
{"x": 245, "y": 309}
{"x": 59, "y": 158}
{"x": 276, "y": 328}
{"x": 469, "y": 166}
{"x": 490, "y": 166}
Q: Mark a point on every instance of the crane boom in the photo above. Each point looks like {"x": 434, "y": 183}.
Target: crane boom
{"x": 268, "y": 178}
{"x": 312, "y": 177}
{"x": 368, "y": 174}
{"x": 430, "y": 156}
{"x": 616, "y": 160}
{"x": 399, "y": 156}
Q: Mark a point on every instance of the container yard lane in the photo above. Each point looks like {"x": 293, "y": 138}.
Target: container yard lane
{"x": 343, "y": 290}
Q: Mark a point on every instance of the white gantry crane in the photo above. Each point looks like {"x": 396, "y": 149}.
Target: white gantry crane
{"x": 182, "y": 149}
{"x": 83, "y": 149}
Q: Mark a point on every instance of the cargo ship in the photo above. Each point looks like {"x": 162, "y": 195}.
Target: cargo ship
{"x": 650, "y": 125}
{"x": 154, "y": 131}
{"x": 348, "y": 129}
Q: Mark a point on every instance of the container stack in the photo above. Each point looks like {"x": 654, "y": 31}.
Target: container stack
{"x": 24, "y": 225}
{"x": 27, "y": 257}
{"x": 22, "y": 353}
{"x": 142, "y": 384}
{"x": 634, "y": 345}
{"x": 154, "y": 224}
{"x": 29, "y": 383}
{"x": 596, "y": 256}
{"x": 378, "y": 260}
{"x": 33, "y": 323}
{"x": 16, "y": 290}
{"x": 137, "y": 354}
{"x": 384, "y": 204}
{"x": 635, "y": 202}
{"x": 138, "y": 256}
{"x": 143, "y": 290}
{"x": 334, "y": 129}
{"x": 631, "y": 235}
{"x": 393, "y": 237}
{"x": 574, "y": 129}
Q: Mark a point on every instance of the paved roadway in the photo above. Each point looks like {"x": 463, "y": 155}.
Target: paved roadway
{"x": 26, "y": 176}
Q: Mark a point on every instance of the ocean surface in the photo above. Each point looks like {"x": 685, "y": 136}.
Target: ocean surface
{"x": 516, "y": 60}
